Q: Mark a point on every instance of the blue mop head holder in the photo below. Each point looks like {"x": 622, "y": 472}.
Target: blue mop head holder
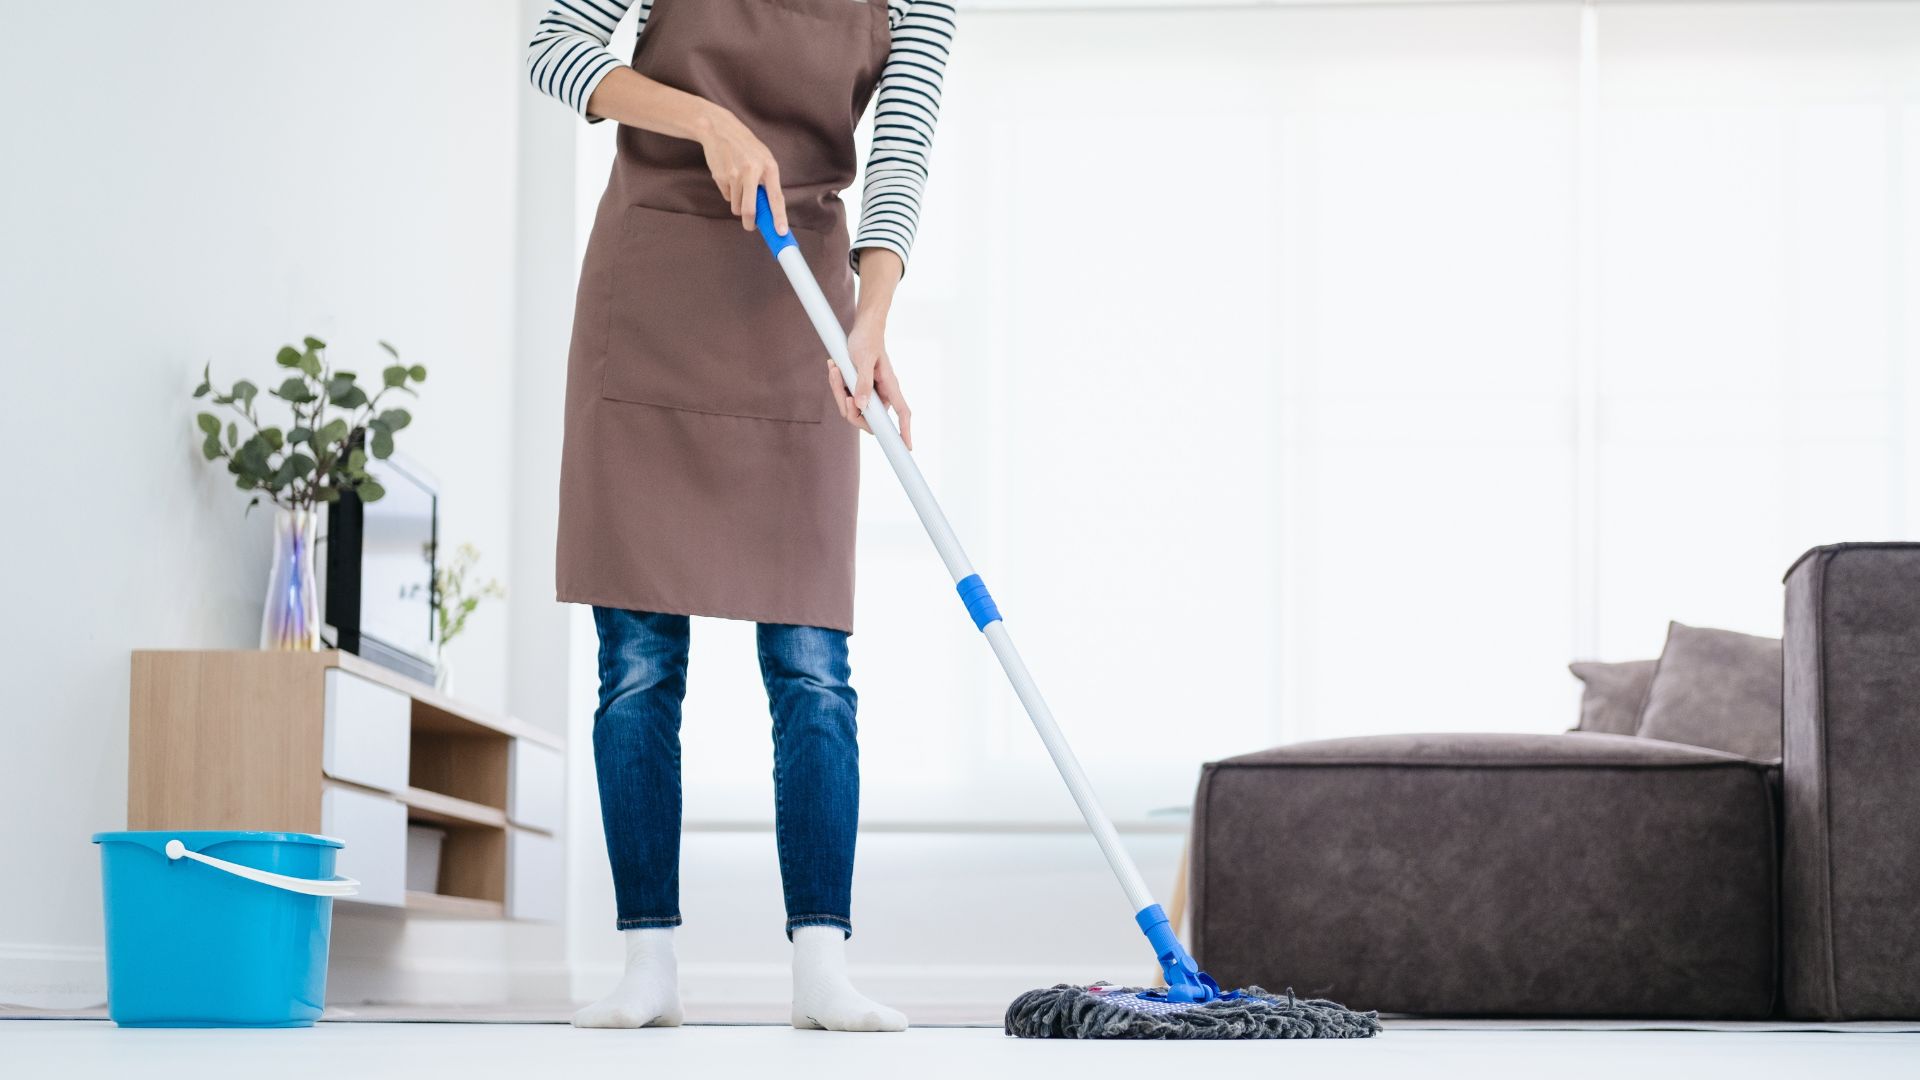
{"x": 763, "y": 219}
{"x": 1186, "y": 983}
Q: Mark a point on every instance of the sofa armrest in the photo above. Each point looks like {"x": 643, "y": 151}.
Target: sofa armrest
{"x": 1851, "y": 783}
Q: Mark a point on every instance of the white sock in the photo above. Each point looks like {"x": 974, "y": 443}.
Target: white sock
{"x": 822, "y": 996}
{"x": 649, "y": 993}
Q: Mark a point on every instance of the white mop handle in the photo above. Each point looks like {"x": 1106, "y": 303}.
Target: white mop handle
{"x": 827, "y": 324}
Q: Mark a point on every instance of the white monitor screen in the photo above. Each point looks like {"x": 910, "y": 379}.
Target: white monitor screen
{"x": 396, "y": 563}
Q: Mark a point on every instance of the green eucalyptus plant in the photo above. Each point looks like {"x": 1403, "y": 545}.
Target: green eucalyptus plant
{"x": 322, "y": 451}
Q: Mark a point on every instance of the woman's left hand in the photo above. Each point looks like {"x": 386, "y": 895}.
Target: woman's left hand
{"x": 868, "y": 347}
{"x": 880, "y": 272}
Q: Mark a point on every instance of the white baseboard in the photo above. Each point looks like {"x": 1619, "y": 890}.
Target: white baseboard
{"x": 52, "y": 976}
{"x": 72, "y": 977}
{"x": 444, "y": 982}
{"x": 979, "y": 987}
{"x": 63, "y": 977}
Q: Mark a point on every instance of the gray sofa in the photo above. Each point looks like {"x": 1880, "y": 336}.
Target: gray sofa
{"x": 1601, "y": 875}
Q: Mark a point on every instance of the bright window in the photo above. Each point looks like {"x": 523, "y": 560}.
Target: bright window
{"x": 1302, "y": 372}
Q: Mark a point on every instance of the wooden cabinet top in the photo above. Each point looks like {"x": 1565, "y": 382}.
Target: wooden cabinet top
{"x": 433, "y": 710}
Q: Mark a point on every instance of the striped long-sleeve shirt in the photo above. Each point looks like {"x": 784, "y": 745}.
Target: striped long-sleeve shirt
{"x": 569, "y": 56}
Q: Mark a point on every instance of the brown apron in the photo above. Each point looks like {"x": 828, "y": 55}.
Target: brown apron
{"x": 706, "y": 470}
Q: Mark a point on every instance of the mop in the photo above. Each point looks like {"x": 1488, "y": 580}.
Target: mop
{"x": 1191, "y": 1005}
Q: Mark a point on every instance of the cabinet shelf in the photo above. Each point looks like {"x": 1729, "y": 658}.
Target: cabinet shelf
{"x": 328, "y": 743}
{"x": 439, "y": 905}
{"x": 436, "y": 712}
{"x": 424, "y": 805}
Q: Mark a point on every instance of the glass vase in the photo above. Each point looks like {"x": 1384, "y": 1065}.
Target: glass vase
{"x": 291, "y": 621}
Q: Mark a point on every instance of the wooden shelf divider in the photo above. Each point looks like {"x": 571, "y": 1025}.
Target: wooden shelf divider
{"x": 453, "y": 907}
{"x": 447, "y": 810}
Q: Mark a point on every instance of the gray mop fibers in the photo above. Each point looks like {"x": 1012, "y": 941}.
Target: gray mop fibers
{"x": 1119, "y": 1012}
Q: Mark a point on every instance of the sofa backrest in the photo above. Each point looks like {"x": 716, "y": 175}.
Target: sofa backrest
{"x": 1850, "y": 883}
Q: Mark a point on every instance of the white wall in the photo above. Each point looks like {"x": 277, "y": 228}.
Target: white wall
{"x": 186, "y": 184}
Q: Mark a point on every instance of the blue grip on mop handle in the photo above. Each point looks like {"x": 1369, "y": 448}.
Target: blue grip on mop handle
{"x": 973, "y": 592}
{"x": 763, "y": 218}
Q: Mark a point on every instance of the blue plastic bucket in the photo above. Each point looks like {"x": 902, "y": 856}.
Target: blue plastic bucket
{"x": 217, "y": 929}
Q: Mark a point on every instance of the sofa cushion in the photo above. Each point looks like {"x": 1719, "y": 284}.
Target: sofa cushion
{"x": 1542, "y": 875}
{"x": 1610, "y": 703}
{"x": 1717, "y": 689}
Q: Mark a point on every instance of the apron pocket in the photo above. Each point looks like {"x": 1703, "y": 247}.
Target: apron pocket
{"x": 703, "y": 319}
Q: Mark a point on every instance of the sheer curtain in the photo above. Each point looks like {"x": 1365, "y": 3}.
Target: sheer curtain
{"x": 1755, "y": 210}
{"x": 1312, "y": 371}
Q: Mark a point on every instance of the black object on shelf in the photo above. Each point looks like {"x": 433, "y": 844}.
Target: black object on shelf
{"x": 380, "y": 566}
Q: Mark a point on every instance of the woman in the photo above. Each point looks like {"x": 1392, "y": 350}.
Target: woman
{"x": 702, "y": 474}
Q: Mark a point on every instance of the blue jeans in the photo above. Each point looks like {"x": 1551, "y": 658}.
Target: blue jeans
{"x": 636, "y": 752}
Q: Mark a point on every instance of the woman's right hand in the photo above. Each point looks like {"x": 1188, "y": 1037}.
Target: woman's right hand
{"x": 741, "y": 164}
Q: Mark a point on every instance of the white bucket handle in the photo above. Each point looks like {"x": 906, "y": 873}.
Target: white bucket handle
{"x": 339, "y": 886}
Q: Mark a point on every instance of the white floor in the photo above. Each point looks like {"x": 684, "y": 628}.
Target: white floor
{"x": 87, "y": 1049}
